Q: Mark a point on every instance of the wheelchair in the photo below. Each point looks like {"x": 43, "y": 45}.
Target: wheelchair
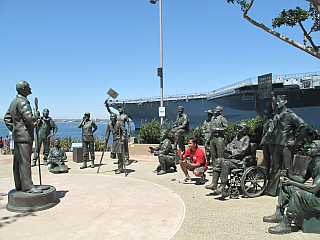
{"x": 250, "y": 180}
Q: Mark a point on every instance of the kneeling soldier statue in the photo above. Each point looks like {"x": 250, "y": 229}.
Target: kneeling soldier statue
{"x": 165, "y": 153}
{"x": 56, "y": 159}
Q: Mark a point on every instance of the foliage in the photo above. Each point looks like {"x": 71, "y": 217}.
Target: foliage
{"x": 195, "y": 133}
{"x": 99, "y": 145}
{"x": 150, "y": 132}
{"x": 290, "y": 18}
{"x": 230, "y": 132}
{"x": 66, "y": 143}
{"x": 255, "y": 128}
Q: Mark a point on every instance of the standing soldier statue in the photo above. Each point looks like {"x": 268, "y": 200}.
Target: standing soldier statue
{"x": 45, "y": 130}
{"x": 88, "y": 128}
{"x": 179, "y": 129}
{"x": 217, "y": 144}
{"x": 289, "y": 130}
{"x": 123, "y": 119}
{"x": 206, "y": 130}
{"x": 115, "y": 127}
{"x": 21, "y": 122}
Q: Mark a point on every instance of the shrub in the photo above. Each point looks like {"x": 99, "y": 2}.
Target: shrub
{"x": 150, "y": 132}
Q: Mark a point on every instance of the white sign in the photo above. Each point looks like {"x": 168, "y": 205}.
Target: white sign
{"x": 162, "y": 111}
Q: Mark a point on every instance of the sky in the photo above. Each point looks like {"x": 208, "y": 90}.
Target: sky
{"x": 71, "y": 52}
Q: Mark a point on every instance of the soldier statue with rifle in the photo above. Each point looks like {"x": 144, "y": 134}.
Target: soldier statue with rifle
{"x": 45, "y": 130}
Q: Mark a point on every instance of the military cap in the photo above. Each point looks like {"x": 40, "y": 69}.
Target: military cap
{"x": 218, "y": 109}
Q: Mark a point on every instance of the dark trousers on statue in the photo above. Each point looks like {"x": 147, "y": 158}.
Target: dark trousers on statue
{"x": 179, "y": 139}
{"x": 126, "y": 149}
{"x": 88, "y": 147}
{"x": 217, "y": 147}
{"x": 22, "y": 166}
{"x": 281, "y": 159}
{"x": 267, "y": 158}
{"x": 45, "y": 142}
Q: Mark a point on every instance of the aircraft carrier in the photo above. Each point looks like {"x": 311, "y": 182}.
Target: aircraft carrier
{"x": 239, "y": 100}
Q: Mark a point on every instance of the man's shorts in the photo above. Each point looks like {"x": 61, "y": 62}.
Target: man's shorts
{"x": 197, "y": 171}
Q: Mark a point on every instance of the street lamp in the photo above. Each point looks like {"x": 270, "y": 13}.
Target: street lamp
{"x": 160, "y": 69}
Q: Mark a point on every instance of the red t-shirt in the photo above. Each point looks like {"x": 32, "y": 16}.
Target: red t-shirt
{"x": 197, "y": 157}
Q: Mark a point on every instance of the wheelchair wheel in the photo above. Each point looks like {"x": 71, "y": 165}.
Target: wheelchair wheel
{"x": 253, "y": 182}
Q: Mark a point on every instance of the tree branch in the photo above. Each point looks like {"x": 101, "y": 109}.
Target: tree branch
{"x": 316, "y": 4}
{"x": 312, "y": 51}
{"x": 305, "y": 33}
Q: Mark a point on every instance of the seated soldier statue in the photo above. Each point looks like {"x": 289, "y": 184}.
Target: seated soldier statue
{"x": 297, "y": 199}
{"x": 56, "y": 159}
{"x": 165, "y": 153}
{"x": 234, "y": 157}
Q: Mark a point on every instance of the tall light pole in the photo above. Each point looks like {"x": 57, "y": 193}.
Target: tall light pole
{"x": 160, "y": 69}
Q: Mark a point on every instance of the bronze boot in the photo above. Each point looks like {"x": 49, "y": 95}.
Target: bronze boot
{"x": 284, "y": 227}
{"x": 214, "y": 182}
{"x": 274, "y": 218}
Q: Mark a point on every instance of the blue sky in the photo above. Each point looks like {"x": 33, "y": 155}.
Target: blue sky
{"x": 72, "y": 51}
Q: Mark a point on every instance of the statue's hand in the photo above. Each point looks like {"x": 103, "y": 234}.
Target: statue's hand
{"x": 290, "y": 143}
{"x": 286, "y": 181}
{"x": 37, "y": 114}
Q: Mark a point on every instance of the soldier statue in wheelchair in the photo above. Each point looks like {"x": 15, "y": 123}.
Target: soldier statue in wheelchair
{"x": 238, "y": 169}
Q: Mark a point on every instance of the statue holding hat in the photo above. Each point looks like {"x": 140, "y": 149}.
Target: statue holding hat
{"x": 124, "y": 120}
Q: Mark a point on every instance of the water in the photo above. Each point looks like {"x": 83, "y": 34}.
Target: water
{"x": 66, "y": 130}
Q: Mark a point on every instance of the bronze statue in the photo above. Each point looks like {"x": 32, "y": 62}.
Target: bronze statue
{"x": 115, "y": 127}
{"x": 56, "y": 159}
{"x": 20, "y": 120}
{"x": 218, "y": 125}
{"x": 300, "y": 200}
{"x": 179, "y": 129}
{"x": 88, "y": 129}
{"x": 289, "y": 130}
{"x": 206, "y": 131}
{"x": 124, "y": 119}
{"x": 45, "y": 130}
{"x": 234, "y": 157}
{"x": 267, "y": 141}
{"x": 165, "y": 153}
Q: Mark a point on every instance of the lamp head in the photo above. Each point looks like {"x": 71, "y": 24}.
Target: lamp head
{"x": 153, "y": 1}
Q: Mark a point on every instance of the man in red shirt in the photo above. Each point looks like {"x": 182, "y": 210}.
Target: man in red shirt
{"x": 197, "y": 160}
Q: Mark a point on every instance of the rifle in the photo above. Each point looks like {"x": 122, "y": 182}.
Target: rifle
{"x": 121, "y": 131}
{"x": 36, "y": 104}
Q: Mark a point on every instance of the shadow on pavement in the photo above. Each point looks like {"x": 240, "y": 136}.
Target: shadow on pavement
{"x": 11, "y": 219}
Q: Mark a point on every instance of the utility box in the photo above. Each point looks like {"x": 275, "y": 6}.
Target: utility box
{"x": 77, "y": 155}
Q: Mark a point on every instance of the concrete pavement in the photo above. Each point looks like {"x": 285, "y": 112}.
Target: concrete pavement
{"x": 205, "y": 216}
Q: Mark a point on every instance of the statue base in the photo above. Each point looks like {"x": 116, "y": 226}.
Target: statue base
{"x": 19, "y": 201}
